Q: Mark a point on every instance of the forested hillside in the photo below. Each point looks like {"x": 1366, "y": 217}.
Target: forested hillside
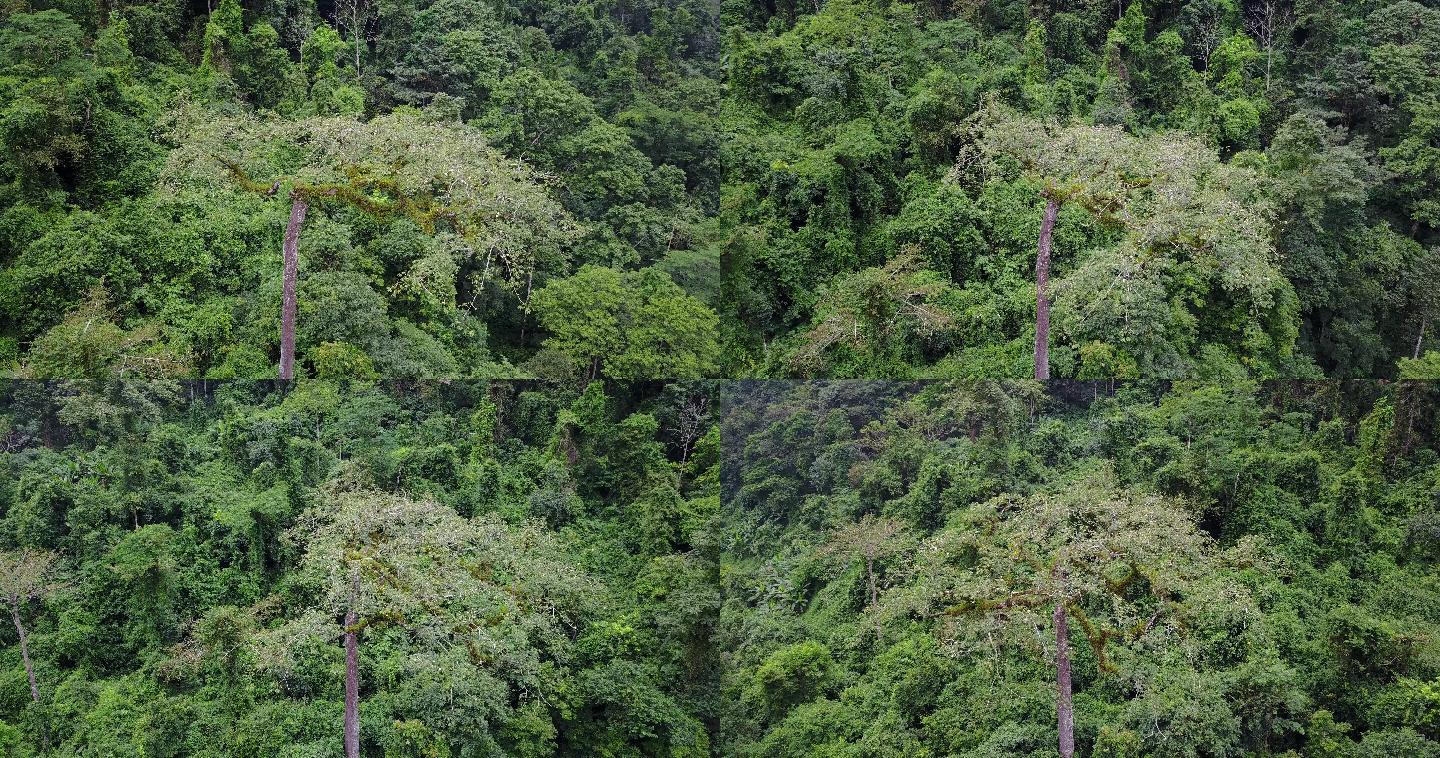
{"x": 511, "y": 569}
{"x": 1199, "y": 189}
{"x": 1230, "y": 570}
{"x": 359, "y": 365}
{"x": 1240, "y": 188}
{"x": 462, "y": 180}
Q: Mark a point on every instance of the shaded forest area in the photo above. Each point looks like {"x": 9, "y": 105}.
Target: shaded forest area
{"x": 493, "y": 189}
{"x": 241, "y": 568}
{"x": 1240, "y": 570}
{"x": 1245, "y": 188}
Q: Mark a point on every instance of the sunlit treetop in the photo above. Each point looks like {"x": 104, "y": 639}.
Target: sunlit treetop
{"x": 442, "y": 176}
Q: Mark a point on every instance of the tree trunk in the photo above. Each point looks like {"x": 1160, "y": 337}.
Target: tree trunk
{"x": 25, "y": 649}
{"x": 870, "y": 577}
{"x": 29, "y": 669}
{"x": 1042, "y": 295}
{"x": 1064, "y": 708}
{"x": 1419, "y": 340}
{"x": 359, "y": 38}
{"x": 525, "y": 312}
{"x": 298, "y": 208}
{"x": 352, "y": 677}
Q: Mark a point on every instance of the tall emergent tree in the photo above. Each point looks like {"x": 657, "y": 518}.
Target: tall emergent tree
{"x": 496, "y": 223}
{"x": 1172, "y": 206}
{"x": 1095, "y": 167}
{"x": 459, "y": 588}
{"x": 25, "y": 575}
{"x": 1114, "y": 560}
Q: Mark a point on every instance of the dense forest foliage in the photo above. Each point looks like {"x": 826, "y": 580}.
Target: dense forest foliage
{"x": 359, "y": 359}
{"x": 849, "y": 188}
{"x": 882, "y": 218}
{"x": 468, "y": 169}
{"x": 520, "y": 569}
{"x": 1242, "y": 570}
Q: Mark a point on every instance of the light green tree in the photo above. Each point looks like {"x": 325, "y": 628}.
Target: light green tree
{"x": 628, "y": 325}
{"x": 464, "y": 591}
{"x": 26, "y": 575}
{"x": 1118, "y": 562}
{"x": 499, "y": 224}
{"x": 1193, "y": 232}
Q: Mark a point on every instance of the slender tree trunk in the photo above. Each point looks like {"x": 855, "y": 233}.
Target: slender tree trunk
{"x": 29, "y": 669}
{"x": 1409, "y": 408}
{"x": 1064, "y": 707}
{"x": 484, "y": 277}
{"x": 525, "y": 313}
{"x": 352, "y": 676}
{"x": 870, "y": 577}
{"x": 1419, "y": 339}
{"x": 1042, "y": 295}
{"x": 359, "y": 38}
{"x": 298, "y": 208}
{"x": 24, "y": 649}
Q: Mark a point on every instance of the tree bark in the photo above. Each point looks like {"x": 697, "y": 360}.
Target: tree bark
{"x": 25, "y": 650}
{"x": 870, "y": 577}
{"x": 1042, "y": 295}
{"x": 525, "y": 312}
{"x": 1064, "y": 707}
{"x": 29, "y": 668}
{"x": 1419, "y": 340}
{"x": 298, "y": 208}
{"x": 359, "y": 38}
{"x": 352, "y": 677}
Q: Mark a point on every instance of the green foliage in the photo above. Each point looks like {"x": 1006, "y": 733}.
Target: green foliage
{"x": 629, "y": 325}
{"x": 341, "y": 360}
{"x": 832, "y": 154}
{"x": 846, "y": 116}
{"x": 789, "y": 677}
{"x": 1426, "y": 367}
{"x": 457, "y": 157}
{"x": 1231, "y": 559}
{"x": 70, "y": 124}
{"x": 88, "y": 344}
{"x": 182, "y": 557}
